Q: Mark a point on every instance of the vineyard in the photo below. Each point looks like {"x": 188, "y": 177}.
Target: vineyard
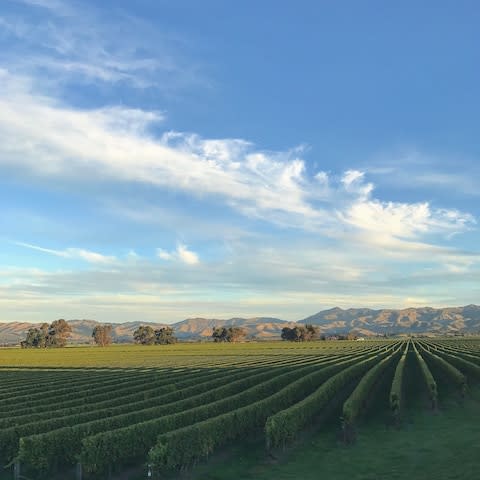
{"x": 93, "y": 412}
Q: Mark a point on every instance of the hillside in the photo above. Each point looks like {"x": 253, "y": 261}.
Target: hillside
{"x": 410, "y": 320}
{"x": 364, "y": 321}
{"x": 189, "y": 329}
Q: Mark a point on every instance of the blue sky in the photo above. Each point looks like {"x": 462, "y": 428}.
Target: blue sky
{"x": 161, "y": 160}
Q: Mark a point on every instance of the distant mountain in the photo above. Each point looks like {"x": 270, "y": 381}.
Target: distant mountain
{"x": 364, "y": 321}
{"x": 189, "y": 329}
{"x": 15, "y": 332}
{"x": 409, "y": 320}
{"x": 260, "y": 327}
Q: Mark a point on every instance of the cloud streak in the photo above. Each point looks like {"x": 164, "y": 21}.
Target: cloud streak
{"x": 73, "y": 253}
{"x": 60, "y": 44}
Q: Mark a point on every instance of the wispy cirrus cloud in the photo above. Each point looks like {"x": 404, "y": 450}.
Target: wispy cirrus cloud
{"x": 40, "y": 136}
{"x": 412, "y": 169}
{"x": 62, "y": 44}
{"x": 72, "y": 253}
{"x": 57, "y": 6}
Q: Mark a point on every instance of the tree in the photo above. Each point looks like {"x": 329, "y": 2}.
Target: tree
{"x": 53, "y": 335}
{"x": 311, "y": 332}
{"x": 236, "y": 334}
{"x": 58, "y": 333}
{"x": 230, "y": 334}
{"x": 300, "y": 333}
{"x": 145, "y": 335}
{"x": 219, "y": 334}
{"x": 36, "y": 337}
{"x": 291, "y": 334}
{"x": 165, "y": 336}
{"x": 102, "y": 335}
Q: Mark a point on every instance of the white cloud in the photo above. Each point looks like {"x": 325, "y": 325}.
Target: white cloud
{"x": 352, "y": 176}
{"x": 270, "y": 279}
{"x": 353, "y": 182}
{"x": 45, "y": 140}
{"x": 405, "y": 220}
{"x": 164, "y": 255}
{"x": 182, "y": 254}
{"x": 87, "y": 255}
{"x": 186, "y": 255}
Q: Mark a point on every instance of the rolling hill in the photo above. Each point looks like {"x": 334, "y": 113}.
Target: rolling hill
{"x": 410, "y": 320}
{"x": 363, "y": 321}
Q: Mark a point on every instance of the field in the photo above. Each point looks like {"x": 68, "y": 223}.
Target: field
{"x": 255, "y": 410}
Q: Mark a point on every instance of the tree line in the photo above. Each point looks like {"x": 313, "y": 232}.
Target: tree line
{"x": 146, "y": 335}
{"x": 45, "y": 336}
{"x": 300, "y": 333}
{"x": 57, "y": 333}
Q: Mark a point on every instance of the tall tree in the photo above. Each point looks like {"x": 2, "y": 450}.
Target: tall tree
{"x": 36, "y": 337}
{"x": 102, "y": 335}
{"x": 219, "y": 334}
{"x": 59, "y": 332}
{"x": 230, "y": 334}
{"x": 236, "y": 334}
{"x": 165, "y": 336}
{"x": 300, "y": 333}
{"x": 53, "y": 335}
{"x": 144, "y": 335}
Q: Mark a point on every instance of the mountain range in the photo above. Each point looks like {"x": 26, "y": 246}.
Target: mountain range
{"x": 362, "y": 321}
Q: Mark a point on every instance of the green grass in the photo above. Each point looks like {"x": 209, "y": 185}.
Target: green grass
{"x": 182, "y": 354}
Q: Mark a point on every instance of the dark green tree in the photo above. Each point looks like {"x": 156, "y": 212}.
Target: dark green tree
{"x": 144, "y": 335}
{"x": 165, "y": 336}
{"x": 300, "y": 333}
{"x": 219, "y": 334}
{"x": 230, "y": 334}
{"x": 54, "y": 335}
{"x": 36, "y": 337}
{"x": 236, "y": 334}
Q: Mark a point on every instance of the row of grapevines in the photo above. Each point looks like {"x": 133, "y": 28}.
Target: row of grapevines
{"x": 95, "y": 405}
{"x": 286, "y": 424}
{"x": 65, "y": 442}
{"x": 72, "y": 398}
{"x": 430, "y": 382}
{"x": 355, "y": 403}
{"x": 115, "y": 446}
{"x": 463, "y": 353}
{"x": 41, "y": 394}
{"x": 397, "y": 384}
{"x": 122, "y": 397}
{"x": 66, "y": 392}
{"x": 452, "y": 372}
{"x": 90, "y": 422}
{"x": 184, "y": 446}
{"x": 25, "y": 391}
{"x": 472, "y": 369}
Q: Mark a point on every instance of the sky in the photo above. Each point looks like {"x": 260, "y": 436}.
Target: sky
{"x": 161, "y": 160}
